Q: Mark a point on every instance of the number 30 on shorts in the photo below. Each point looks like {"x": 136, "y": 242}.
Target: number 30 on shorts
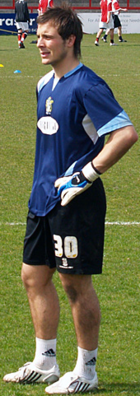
{"x": 67, "y": 247}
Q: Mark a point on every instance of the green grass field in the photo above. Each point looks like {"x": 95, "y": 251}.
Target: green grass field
{"x": 118, "y": 287}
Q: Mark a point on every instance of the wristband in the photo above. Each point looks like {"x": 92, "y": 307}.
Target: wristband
{"x": 96, "y": 170}
{"x": 90, "y": 172}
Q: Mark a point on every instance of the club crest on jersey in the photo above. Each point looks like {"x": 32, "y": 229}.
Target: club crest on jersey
{"x": 49, "y": 103}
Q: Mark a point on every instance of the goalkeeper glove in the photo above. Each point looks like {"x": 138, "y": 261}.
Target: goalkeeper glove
{"x": 70, "y": 186}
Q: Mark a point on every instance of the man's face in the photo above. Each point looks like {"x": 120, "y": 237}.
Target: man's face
{"x": 52, "y": 47}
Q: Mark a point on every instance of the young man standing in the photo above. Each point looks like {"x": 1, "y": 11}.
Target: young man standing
{"x": 22, "y": 19}
{"x": 65, "y": 225}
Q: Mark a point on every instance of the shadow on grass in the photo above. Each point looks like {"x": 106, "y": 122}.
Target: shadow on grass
{"x": 132, "y": 388}
{"x": 114, "y": 389}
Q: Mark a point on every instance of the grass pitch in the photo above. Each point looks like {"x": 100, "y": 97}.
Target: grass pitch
{"x": 118, "y": 286}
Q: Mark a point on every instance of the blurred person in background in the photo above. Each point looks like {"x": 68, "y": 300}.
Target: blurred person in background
{"x": 22, "y": 21}
{"x": 117, "y": 23}
{"x": 106, "y": 21}
{"x": 44, "y": 5}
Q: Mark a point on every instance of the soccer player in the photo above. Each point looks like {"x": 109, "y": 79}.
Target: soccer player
{"x": 44, "y": 5}
{"x": 117, "y": 23}
{"x": 65, "y": 225}
{"x": 106, "y": 21}
{"x": 22, "y": 19}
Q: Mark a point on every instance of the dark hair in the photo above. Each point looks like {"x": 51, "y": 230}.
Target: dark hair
{"x": 67, "y": 23}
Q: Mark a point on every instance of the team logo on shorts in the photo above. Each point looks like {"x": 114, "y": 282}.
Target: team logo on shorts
{"x": 49, "y": 103}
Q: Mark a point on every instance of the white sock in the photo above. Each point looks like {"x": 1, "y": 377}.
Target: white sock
{"x": 86, "y": 362}
{"x": 45, "y": 355}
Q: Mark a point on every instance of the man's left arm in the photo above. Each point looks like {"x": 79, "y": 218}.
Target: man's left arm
{"x": 119, "y": 142}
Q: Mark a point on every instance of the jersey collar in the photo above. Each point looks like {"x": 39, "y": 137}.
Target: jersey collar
{"x": 74, "y": 70}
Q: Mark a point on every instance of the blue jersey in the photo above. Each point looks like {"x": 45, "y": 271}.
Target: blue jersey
{"x": 73, "y": 116}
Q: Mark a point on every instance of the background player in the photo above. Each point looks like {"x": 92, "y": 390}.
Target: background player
{"x": 43, "y": 5}
{"x": 106, "y": 21}
{"x": 117, "y": 23}
{"x": 22, "y": 18}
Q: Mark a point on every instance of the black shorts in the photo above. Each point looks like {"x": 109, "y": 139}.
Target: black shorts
{"x": 117, "y": 22}
{"x": 70, "y": 238}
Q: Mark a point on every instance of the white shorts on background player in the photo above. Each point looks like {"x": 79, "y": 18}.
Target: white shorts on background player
{"x": 109, "y": 25}
{"x": 22, "y": 25}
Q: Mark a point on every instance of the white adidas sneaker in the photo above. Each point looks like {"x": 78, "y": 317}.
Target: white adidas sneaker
{"x": 29, "y": 374}
{"x": 71, "y": 383}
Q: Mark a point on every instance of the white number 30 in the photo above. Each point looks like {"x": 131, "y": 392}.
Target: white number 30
{"x": 69, "y": 248}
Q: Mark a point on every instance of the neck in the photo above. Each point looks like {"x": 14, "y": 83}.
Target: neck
{"x": 65, "y": 67}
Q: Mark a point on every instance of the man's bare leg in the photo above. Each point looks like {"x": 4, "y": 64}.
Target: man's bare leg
{"x": 85, "y": 309}
{"x": 43, "y": 300}
{"x": 86, "y": 316}
{"x": 44, "y": 306}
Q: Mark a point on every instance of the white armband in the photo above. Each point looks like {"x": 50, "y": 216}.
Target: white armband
{"x": 90, "y": 172}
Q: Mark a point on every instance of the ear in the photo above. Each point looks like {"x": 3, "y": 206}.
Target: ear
{"x": 71, "y": 40}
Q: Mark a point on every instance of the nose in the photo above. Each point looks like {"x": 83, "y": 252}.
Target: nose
{"x": 39, "y": 41}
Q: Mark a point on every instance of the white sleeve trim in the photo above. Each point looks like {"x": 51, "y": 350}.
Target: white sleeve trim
{"x": 120, "y": 121}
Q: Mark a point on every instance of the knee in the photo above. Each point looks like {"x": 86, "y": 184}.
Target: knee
{"x": 26, "y": 276}
{"x": 36, "y": 276}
